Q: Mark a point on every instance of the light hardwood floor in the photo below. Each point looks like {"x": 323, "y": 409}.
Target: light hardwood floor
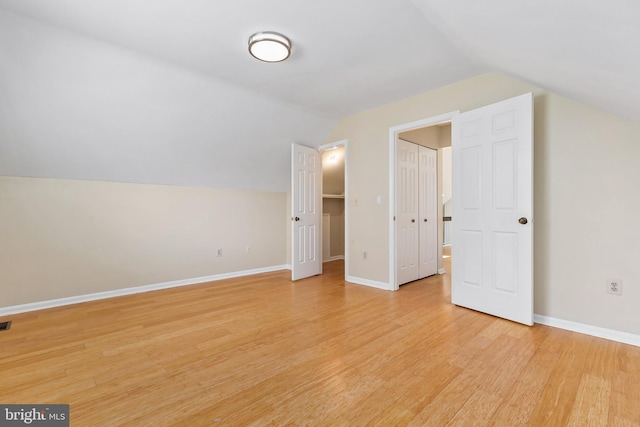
{"x": 261, "y": 350}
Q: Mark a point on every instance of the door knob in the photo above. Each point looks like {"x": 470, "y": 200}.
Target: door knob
{"x": 413, "y": 220}
{"x": 523, "y": 220}
{"x": 297, "y": 219}
{"x": 425, "y": 220}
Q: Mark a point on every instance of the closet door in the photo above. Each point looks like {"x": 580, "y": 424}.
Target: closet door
{"x": 428, "y": 212}
{"x": 407, "y": 215}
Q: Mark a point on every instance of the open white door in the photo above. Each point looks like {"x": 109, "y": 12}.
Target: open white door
{"x": 492, "y": 252}
{"x": 306, "y": 211}
{"x": 428, "y": 199}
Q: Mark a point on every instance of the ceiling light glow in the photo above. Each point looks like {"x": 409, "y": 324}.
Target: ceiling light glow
{"x": 269, "y": 46}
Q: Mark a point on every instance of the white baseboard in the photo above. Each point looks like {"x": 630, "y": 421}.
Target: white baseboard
{"x": 367, "y": 282}
{"x": 129, "y": 291}
{"x": 442, "y": 271}
{"x": 609, "y": 334}
{"x": 333, "y": 258}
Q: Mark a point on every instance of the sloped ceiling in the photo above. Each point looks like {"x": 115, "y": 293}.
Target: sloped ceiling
{"x": 165, "y": 92}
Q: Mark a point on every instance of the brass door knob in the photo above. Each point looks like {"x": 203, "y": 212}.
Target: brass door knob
{"x": 523, "y": 220}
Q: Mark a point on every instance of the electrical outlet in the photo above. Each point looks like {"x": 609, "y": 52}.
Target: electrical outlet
{"x": 249, "y": 248}
{"x": 219, "y": 252}
{"x": 364, "y": 255}
{"x": 614, "y": 286}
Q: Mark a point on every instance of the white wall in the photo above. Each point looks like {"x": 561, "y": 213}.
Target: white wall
{"x": 63, "y": 238}
{"x": 585, "y": 196}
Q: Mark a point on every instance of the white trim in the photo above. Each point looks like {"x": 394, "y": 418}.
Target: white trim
{"x": 367, "y": 282}
{"x": 41, "y": 305}
{"x": 333, "y": 258}
{"x": 609, "y": 334}
{"x": 346, "y": 207}
{"x": 333, "y": 145}
{"x": 393, "y": 133}
{"x": 442, "y": 271}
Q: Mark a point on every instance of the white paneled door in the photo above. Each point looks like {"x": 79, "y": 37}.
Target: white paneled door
{"x": 306, "y": 211}
{"x": 416, "y": 212}
{"x": 493, "y": 209}
{"x": 428, "y": 212}
{"x": 407, "y": 235}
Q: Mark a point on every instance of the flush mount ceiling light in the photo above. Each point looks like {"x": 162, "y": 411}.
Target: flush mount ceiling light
{"x": 269, "y": 46}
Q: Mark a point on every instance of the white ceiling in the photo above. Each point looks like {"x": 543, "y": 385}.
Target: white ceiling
{"x": 164, "y": 91}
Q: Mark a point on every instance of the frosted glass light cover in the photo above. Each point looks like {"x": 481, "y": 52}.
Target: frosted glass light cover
{"x": 269, "y": 46}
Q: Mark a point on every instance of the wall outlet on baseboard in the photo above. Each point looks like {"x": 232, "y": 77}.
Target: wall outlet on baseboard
{"x": 614, "y": 286}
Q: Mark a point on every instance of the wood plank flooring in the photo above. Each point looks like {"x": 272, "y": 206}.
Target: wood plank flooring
{"x": 262, "y": 350}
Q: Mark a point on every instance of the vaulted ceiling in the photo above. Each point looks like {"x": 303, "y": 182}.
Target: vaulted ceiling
{"x": 165, "y": 92}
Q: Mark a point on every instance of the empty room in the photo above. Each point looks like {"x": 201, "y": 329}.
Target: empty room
{"x": 383, "y": 212}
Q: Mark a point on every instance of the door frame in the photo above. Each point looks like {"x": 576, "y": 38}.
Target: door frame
{"x": 393, "y": 136}
{"x": 342, "y": 143}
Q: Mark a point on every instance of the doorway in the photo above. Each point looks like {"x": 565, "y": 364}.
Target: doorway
{"x": 300, "y": 179}
{"x": 492, "y": 171}
{"x": 429, "y": 143}
{"x": 333, "y": 203}
{"x": 338, "y": 198}
{"x": 416, "y": 211}
{"x": 433, "y": 133}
